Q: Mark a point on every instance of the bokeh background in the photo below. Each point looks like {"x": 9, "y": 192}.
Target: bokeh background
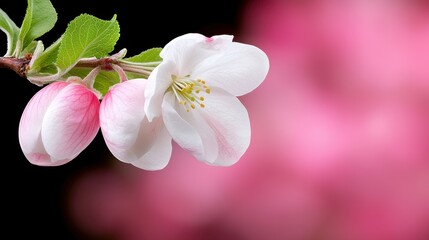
{"x": 340, "y": 132}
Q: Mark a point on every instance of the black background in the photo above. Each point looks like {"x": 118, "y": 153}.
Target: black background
{"x": 33, "y": 197}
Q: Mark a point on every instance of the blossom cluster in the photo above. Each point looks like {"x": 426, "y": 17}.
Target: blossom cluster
{"x": 190, "y": 97}
{"x": 341, "y": 153}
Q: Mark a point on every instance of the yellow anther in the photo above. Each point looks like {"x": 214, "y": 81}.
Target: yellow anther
{"x": 187, "y": 91}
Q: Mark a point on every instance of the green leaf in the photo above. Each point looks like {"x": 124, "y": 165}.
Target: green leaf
{"x": 150, "y": 55}
{"x": 39, "y": 19}
{"x": 46, "y": 58}
{"x": 28, "y": 49}
{"x": 135, "y": 75}
{"x": 87, "y": 36}
{"x": 105, "y": 80}
{"x": 11, "y": 30}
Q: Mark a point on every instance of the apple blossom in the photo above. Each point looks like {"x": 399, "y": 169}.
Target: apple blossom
{"x": 195, "y": 92}
{"x": 187, "y": 92}
{"x": 126, "y": 130}
{"x": 190, "y": 97}
{"x": 58, "y": 123}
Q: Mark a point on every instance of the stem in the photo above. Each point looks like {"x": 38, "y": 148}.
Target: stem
{"x": 18, "y": 65}
{"x": 90, "y": 78}
{"x": 136, "y": 70}
{"x": 121, "y": 73}
{"x": 103, "y": 63}
{"x": 21, "y": 65}
{"x": 108, "y": 64}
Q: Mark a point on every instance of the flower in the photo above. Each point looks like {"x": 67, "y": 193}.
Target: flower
{"x": 191, "y": 98}
{"x": 58, "y": 123}
{"x": 195, "y": 92}
{"x": 127, "y": 132}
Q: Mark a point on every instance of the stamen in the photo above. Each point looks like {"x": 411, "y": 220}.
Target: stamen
{"x": 188, "y": 91}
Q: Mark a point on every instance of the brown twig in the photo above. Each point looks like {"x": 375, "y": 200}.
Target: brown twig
{"x": 18, "y": 65}
{"x": 103, "y": 63}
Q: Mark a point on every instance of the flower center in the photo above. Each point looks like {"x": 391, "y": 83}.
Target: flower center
{"x": 189, "y": 91}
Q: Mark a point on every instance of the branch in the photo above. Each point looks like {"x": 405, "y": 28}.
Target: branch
{"x": 103, "y": 63}
{"x": 18, "y": 65}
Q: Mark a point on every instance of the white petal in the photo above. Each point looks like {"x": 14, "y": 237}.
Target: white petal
{"x": 71, "y": 122}
{"x": 229, "y": 121}
{"x": 180, "y": 129}
{"x": 31, "y": 123}
{"x": 159, "y": 80}
{"x": 121, "y": 113}
{"x": 128, "y": 134}
{"x": 218, "y": 134}
{"x": 156, "y": 141}
{"x": 239, "y": 69}
{"x": 189, "y": 50}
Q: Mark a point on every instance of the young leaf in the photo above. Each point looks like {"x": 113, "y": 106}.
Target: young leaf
{"x": 46, "y": 58}
{"x": 39, "y": 19}
{"x": 11, "y": 30}
{"x": 28, "y": 49}
{"x": 150, "y": 55}
{"x": 87, "y": 36}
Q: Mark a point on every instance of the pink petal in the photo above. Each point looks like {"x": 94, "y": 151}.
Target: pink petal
{"x": 31, "y": 123}
{"x": 71, "y": 122}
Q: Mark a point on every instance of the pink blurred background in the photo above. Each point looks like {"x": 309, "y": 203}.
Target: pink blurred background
{"x": 340, "y": 139}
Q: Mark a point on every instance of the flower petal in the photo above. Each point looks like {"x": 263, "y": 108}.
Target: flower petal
{"x": 217, "y": 134}
{"x": 121, "y": 113}
{"x": 188, "y": 50}
{"x": 158, "y": 82}
{"x": 155, "y": 139}
{"x": 71, "y": 122}
{"x": 30, "y": 125}
{"x": 239, "y": 69}
{"x": 179, "y": 57}
{"x": 128, "y": 134}
{"x": 179, "y": 128}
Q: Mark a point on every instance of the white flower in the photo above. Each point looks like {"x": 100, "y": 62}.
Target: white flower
{"x": 191, "y": 97}
{"x": 194, "y": 90}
